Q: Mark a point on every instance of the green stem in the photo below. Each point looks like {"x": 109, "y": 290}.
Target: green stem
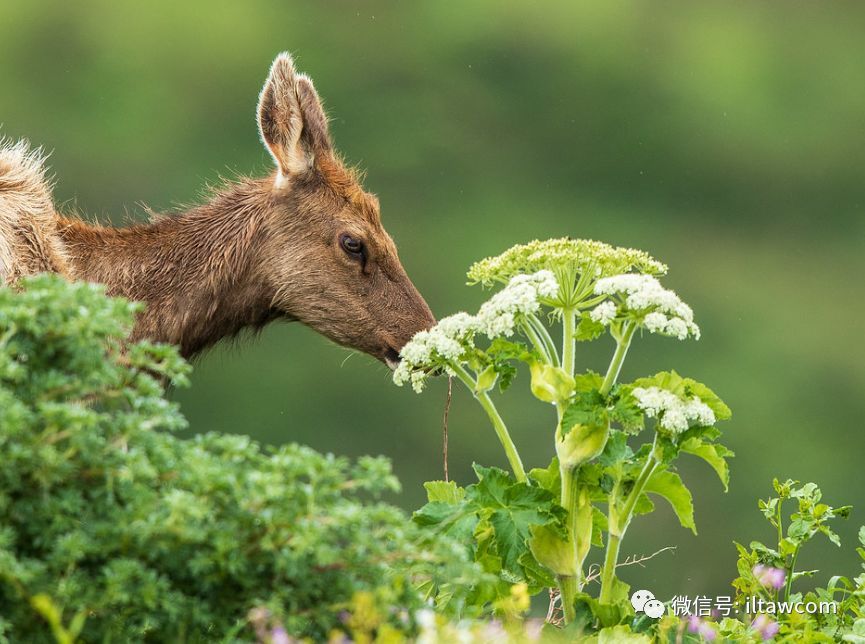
{"x": 619, "y": 522}
{"x": 504, "y": 437}
{"x": 790, "y": 574}
{"x": 569, "y": 585}
{"x": 542, "y": 332}
{"x": 532, "y": 334}
{"x": 569, "y": 326}
{"x": 610, "y": 562}
{"x": 498, "y": 424}
{"x": 568, "y": 589}
{"x": 622, "y": 345}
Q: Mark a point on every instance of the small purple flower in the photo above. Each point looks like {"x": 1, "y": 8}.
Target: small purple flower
{"x": 534, "y": 629}
{"x": 766, "y": 626}
{"x": 702, "y": 628}
{"x": 694, "y": 623}
{"x": 770, "y": 577}
{"x": 495, "y": 631}
{"x": 279, "y": 636}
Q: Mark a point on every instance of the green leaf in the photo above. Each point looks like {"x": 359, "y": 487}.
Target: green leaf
{"x": 714, "y": 454}
{"x": 616, "y": 449}
{"x": 588, "y": 381}
{"x": 511, "y": 509}
{"x": 444, "y": 491}
{"x": 586, "y": 408}
{"x": 588, "y": 330}
{"x": 669, "y": 486}
{"x": 625, "y": 410}
{"x": 709, "y": 397}
{"x": 549, "y": 479}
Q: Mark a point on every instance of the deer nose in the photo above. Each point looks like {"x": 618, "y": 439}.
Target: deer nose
{"x": 391, "y": 357}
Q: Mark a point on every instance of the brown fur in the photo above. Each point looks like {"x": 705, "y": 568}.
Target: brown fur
{"x": 259, "y": 250}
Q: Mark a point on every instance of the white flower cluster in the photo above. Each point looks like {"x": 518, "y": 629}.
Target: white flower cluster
{"x": 664, "y": 312}
{"x": 605, "y": 312}
{"x": 453, "y": 335}
{"x": 445, "y": 342}
{"x": 522, "y": 295}
{"x": 672, "y": 412}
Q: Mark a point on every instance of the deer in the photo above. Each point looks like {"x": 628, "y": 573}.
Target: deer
{"x": 304, "y": 243}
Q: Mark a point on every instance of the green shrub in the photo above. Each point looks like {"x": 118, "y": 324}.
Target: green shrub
{"x": 112, "y": 529}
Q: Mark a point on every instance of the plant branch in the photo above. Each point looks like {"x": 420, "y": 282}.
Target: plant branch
{"x": 619, "y": 523}
{"x": 622, "y": 345}
{"x": 499, "y": 426}
{"x": 545, "y": 336}
{"x": 568, "y": 348}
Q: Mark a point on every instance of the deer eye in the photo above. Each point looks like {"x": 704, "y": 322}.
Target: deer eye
{"x": 352, "y": 246}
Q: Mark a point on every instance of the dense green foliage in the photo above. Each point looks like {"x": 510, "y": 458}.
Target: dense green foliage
{"x": 769, "y": 602}
{"x": 112, "y": 527}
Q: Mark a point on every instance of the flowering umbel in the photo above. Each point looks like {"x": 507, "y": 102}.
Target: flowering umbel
{"x": 544, "y": 522}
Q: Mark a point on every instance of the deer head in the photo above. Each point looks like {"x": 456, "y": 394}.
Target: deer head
{"x": 325, "y": 255}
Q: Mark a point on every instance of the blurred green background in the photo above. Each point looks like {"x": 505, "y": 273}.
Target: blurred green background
{"x": 724, "y": 138}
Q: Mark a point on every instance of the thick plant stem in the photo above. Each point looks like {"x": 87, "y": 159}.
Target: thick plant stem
{"x": 619, "y": 522}
{"x": 618, "y": 358}
{"x": 568, "y": 589}
{"x": 568, "y": 348}
{"x": 569, "y": 585}
{"x": 498, "y": 424}
{"x": 611, "y": 560}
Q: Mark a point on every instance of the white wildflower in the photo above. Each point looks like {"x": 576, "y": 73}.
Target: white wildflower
{"x": 605, "y": 312}
{"x": 445, "y": 342}
{"x": 458, "y": 325}
{"x": 673, "y": 413}
{"x": 656, "y": 322}
{"x": 661, "y": 309}
{"x": 499, "y": 315}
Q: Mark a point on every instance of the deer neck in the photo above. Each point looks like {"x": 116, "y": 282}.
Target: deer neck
{"x": 194, "y": 271}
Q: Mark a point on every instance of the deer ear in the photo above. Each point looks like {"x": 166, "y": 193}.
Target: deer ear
{"x": 291, "y": 119}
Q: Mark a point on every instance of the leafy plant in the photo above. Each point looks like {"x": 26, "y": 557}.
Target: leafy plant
{"x": 538, "y": 527}
{"x": 112, "y": 529}
{"x": 766, "y": 605}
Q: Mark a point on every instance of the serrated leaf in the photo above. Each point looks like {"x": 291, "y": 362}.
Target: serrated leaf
{"x": 588, "y": 330}
{"x": 616, "y": 449}
{"x": 625, "y": 410}
{"x": 669, "y": 486}
{"x": 588, "y": 381}
{"x": 511, "y": 509}
{"x": 549, "y": 478}
{"x": 456, "y": 520}
{"x": 715, "y": 455}
{"x": 444, "y": 491}
{"x": 586, "y": 408}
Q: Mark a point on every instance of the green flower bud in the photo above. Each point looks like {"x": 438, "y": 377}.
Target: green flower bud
{"x": 486, "y": 380}
{"x": 551, "y": 384}
{"x": 552, "y": 551}
{"x": 581, "y": 444}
